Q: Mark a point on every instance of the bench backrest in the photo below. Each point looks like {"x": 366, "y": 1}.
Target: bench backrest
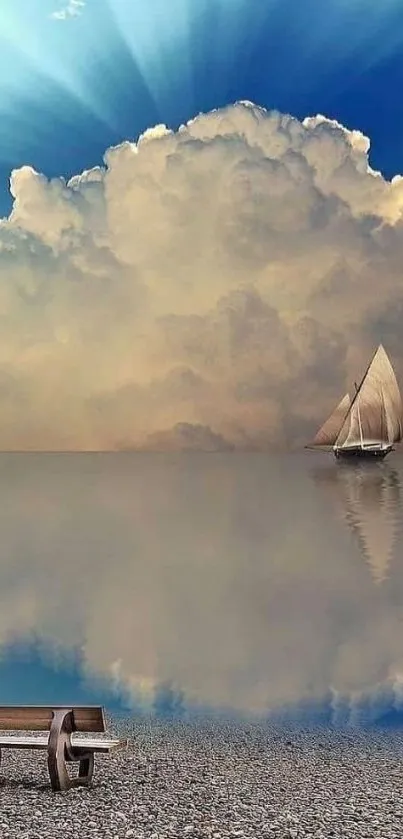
{"x": 39, "y": 717}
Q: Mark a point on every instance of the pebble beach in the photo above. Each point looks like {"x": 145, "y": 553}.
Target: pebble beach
{"x": 215, "y": 780}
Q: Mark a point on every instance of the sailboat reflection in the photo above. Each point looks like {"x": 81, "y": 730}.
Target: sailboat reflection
{"x": 368, "y": 498}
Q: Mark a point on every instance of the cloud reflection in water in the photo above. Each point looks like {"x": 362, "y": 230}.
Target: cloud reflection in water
{"x": 235, "y": 578}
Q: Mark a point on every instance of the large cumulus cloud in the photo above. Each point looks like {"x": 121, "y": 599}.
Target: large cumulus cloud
{"x": 211, "y": 288}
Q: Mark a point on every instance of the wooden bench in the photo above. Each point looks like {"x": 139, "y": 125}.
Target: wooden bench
{"x": 62, "y": 745}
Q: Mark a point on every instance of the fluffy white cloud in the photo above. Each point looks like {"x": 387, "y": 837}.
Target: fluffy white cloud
{"x": 73, "y": 8}
{"x": 212, "y": 288}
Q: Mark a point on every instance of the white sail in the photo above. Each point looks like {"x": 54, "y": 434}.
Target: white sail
{"x": 329, "y": 431}
{"x": 392, "y": 399}
{"x": 375, "y": 411}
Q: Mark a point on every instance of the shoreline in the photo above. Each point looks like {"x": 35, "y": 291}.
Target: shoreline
{"x": 208, "y": 779}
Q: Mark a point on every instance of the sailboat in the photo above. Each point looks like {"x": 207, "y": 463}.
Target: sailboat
{"x": 368, "y": 424}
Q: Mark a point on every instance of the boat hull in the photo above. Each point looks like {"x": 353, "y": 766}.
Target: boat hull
{"x": 358, "y": 453}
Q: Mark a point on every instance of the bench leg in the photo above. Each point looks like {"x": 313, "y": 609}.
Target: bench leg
{"x": 59, "y": 775}
{"x": 86, "y": 769}
{"x": 61, "y": 752}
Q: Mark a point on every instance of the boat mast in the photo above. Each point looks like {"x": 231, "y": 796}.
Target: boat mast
{"x": 384, "y": 421}
{"x": 359, "y": 415}
{"x": 359, "y": 423}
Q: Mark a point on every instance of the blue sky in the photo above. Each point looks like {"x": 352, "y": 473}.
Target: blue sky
{"x": 25, "y": 672}
{"x": 77, "y": 76}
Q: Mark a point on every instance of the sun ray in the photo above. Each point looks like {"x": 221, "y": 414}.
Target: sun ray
{"x": 75, "y": 43}
{"x": 38, "y": 49}
{"x": 120, "y": 66}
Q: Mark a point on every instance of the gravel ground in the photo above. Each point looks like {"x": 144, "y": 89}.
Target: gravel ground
{"x": 218, "y": 780}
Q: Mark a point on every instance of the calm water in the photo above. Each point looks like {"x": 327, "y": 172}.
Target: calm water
{"x": 248, "y": 581}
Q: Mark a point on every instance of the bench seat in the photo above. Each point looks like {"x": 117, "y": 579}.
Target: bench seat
{"x": 99, "y": 746}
